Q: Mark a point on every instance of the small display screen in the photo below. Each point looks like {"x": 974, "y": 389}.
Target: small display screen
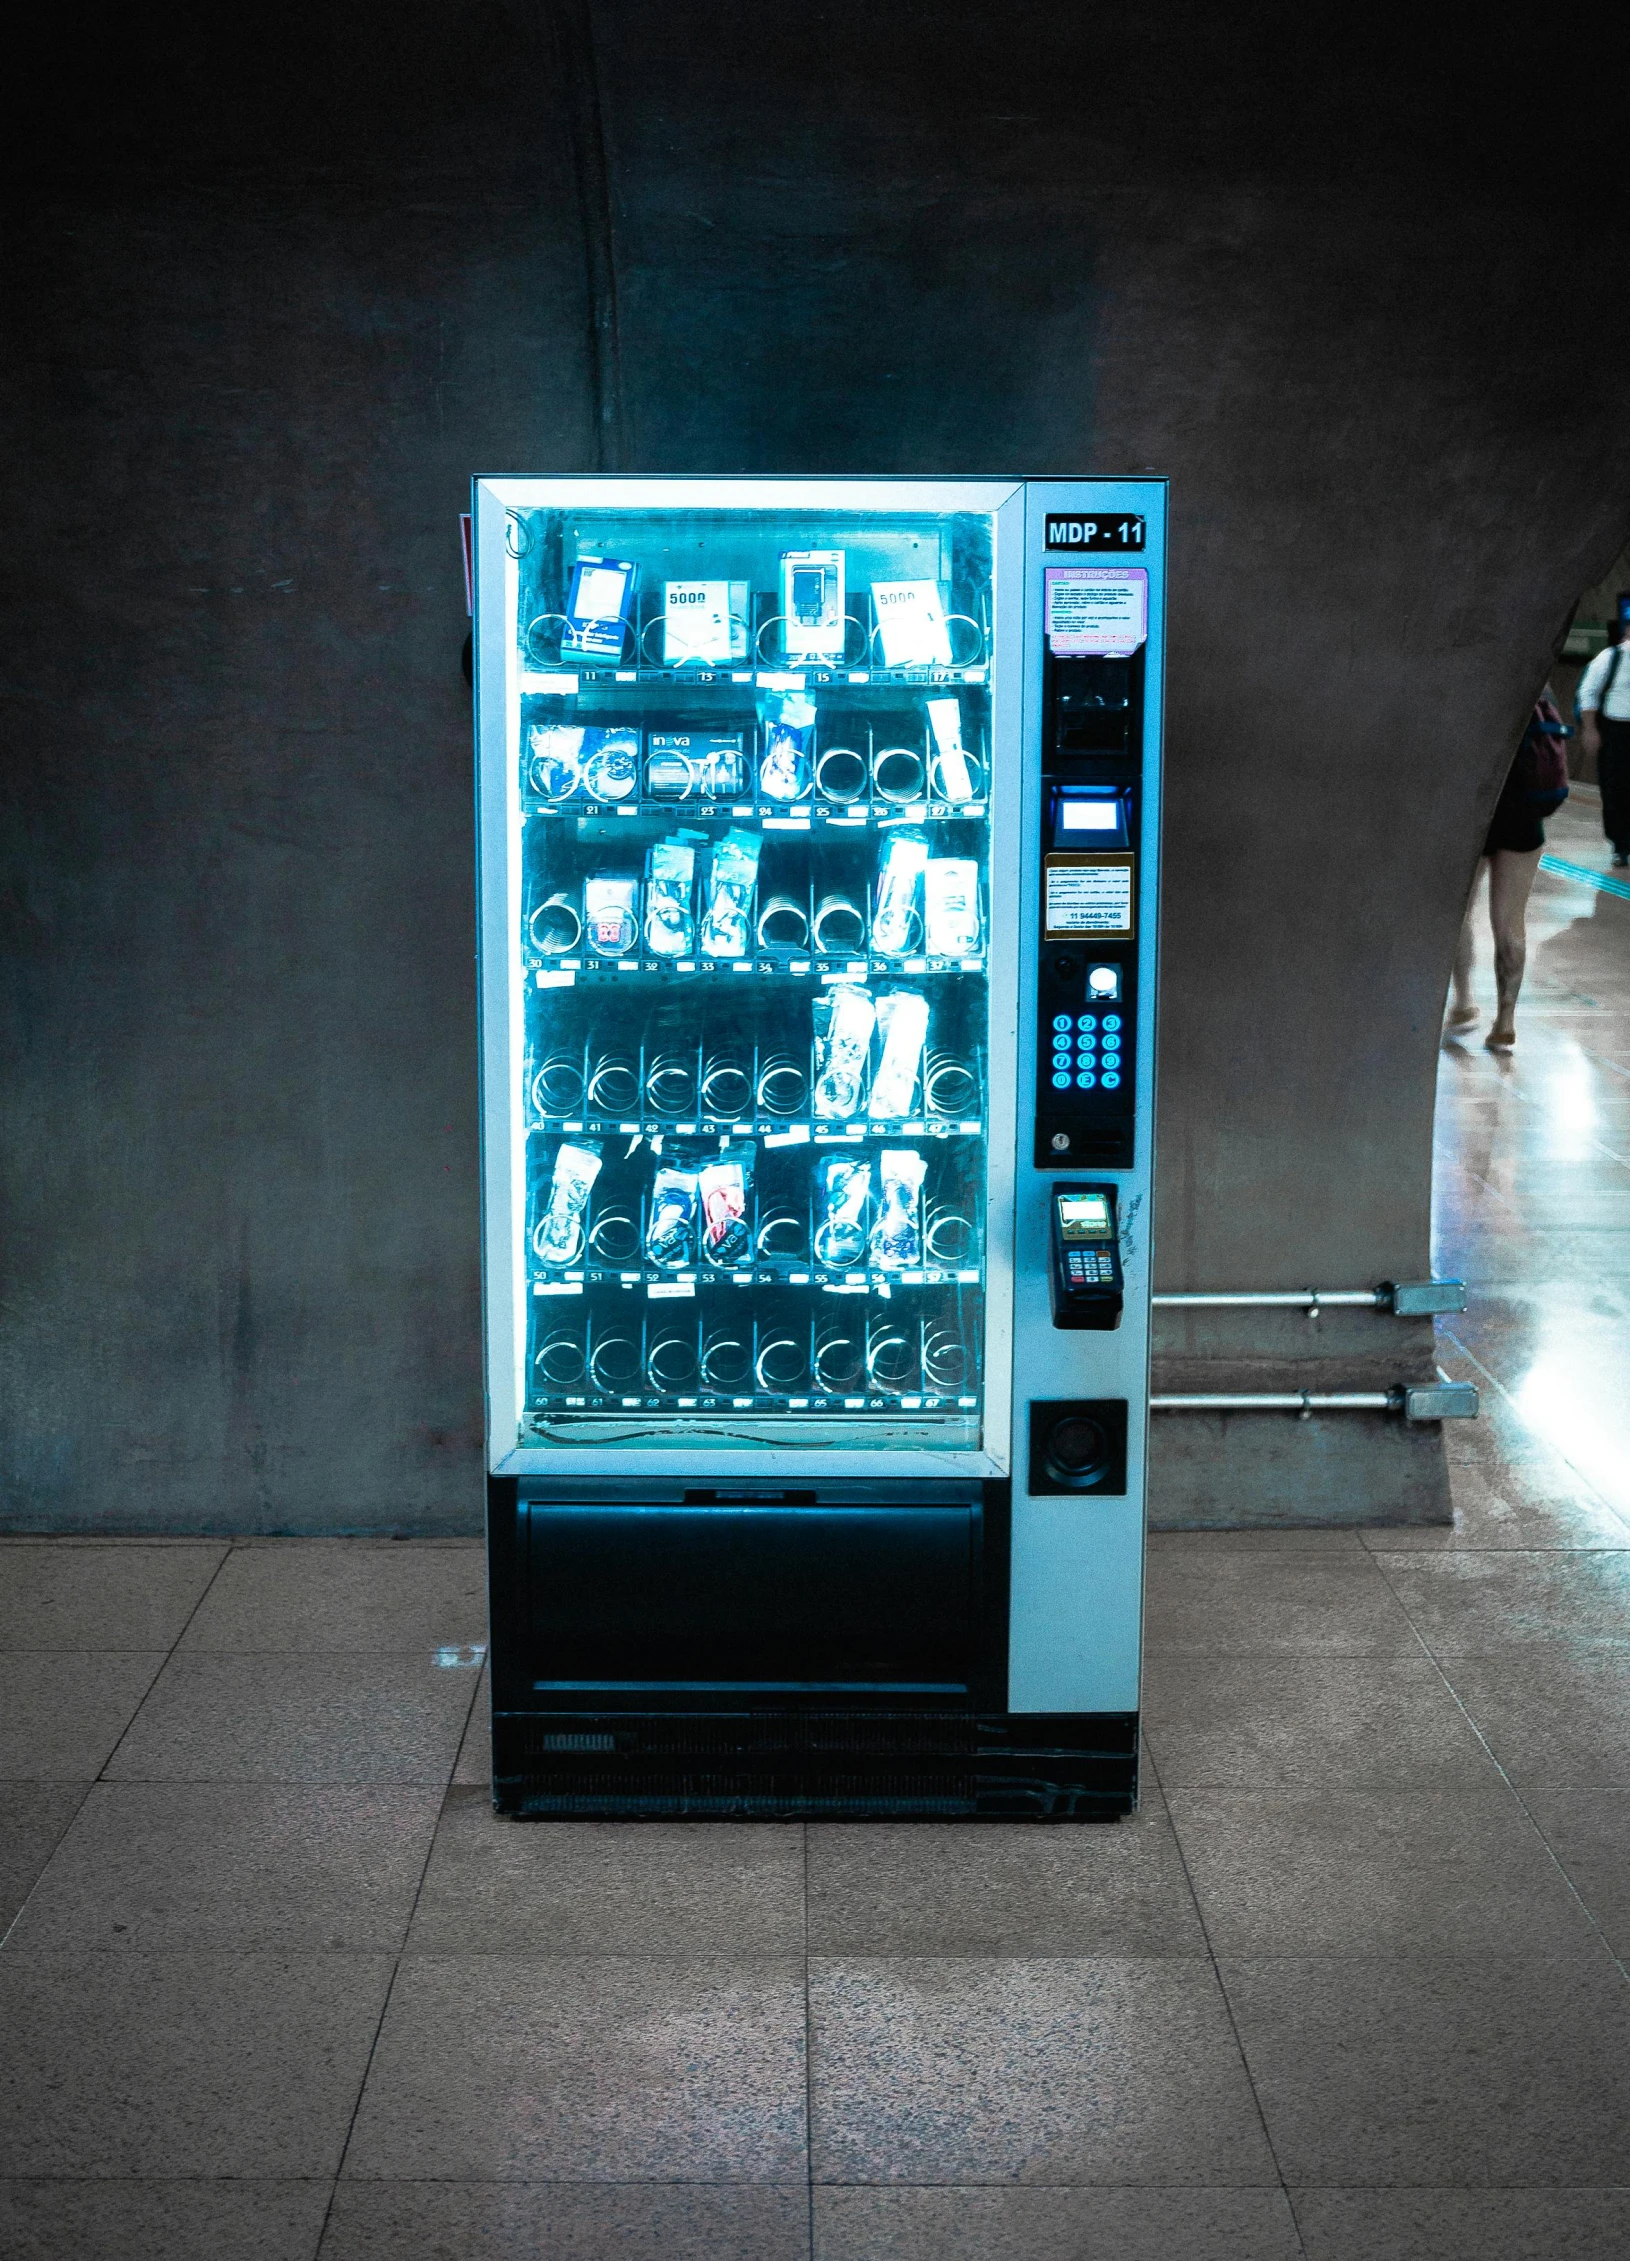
{"x": 1090, "y": 816}
{"x": 1084, "y": 1216}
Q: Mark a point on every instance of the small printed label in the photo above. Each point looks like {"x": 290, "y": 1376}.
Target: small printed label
{"x": 548, "y": 979}
{"x": 557, "y": 1287}
{"x": 797, "y": 1136}
{"x": 787, "y": 823}
{"x": 661, "y": 1290}
{"x": 1098, "y": 610}
{"x": 1089, "y": 895}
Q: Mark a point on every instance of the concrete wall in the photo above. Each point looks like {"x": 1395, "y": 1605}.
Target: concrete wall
{"x": 270, "y": 305}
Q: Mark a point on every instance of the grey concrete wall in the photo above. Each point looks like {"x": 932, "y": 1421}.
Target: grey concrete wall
{"x": 270, "y": 304}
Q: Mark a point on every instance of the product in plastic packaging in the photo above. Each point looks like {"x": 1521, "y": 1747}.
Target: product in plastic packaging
{"x": 844, "y": 1017}
{"x": 897, "y": 1237}
{"x": 670, "y": 1228}
{"x": 670, "y": 923}
{"x": 896, "y": 920}
{"x": 902, "y": 1020}
{"x": 844, "y": 1184}
{"x": 951, "y": 907}
{"x": 728, "y": 924}
{"x": 789, "y": 736}
{"x": 952, "y": 778}
{"x": 555, "y": 760}
{"x": 557, "y": 1237}
{"x": 598, "y": 607}
{"x": 611, "y": 912}
{"x": 726, "y": 1189}
{"x": 911, "y": 623}
{"x": 611, "y": 764}
{"x": 702, "y": 765}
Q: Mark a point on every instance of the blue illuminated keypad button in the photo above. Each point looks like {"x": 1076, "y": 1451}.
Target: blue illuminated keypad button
{"x": 1087, "y": 1020}
{"x": 1112, "y": 1043}
{"x": 1061, "y": 1083}
{"x": 1061, "y": 1059}
{"x": 1112, "y": 1020}
{"x": 1086, "y": 1043}
{"x": 1086, "y": 1082}
{"x": 1061, "y": 1022}
{"x": 1112, "y": 1081}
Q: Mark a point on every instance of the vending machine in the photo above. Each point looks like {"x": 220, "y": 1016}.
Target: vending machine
{"x": 818, "y": 831}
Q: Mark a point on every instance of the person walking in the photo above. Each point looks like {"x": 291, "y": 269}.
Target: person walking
{"x": 1536, "y": 783}
{"x": 1604, "y": 732}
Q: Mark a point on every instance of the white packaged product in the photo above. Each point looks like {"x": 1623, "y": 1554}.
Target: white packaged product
{"x": 845, "y": 1182}
{"x": 728, "y": 924}
{"x": 726, "y": 1187}
{"x": 844, "y": 1016}
{"x": 670, "y": 1228}
{"x": 556, "y": 759}
{"x": 611, "y": 912}
{"x": 902, "y": 1020}
{"x": 948, "y": 770}
{"x": 670, "y": 923}
{"x": 896, "y": 921}
{"x": 557, "y": 1237}
{"x": 951, "y": 907}
{"x": 897, "y": 1238}
{"x": 911, "y": 624}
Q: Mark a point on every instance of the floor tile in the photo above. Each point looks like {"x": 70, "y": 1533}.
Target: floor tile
{"x": 33, "y": 1816}
{"x": 1053, "y": 2225}
{"x": 298, "y": 1719}
{"x": 497, "y": 1886}
{"x": 1464, "y": 2225}
{"x": 90, "y": 1597}
{"x": 347, "y": 1596}
{"x": 1259, "y": 1605}
{"x": 1457, "y": 1869}
{"x": 1552, "y": 1716}
{"x": 475, "y": 1752}
{"x": 1514, "y": 1509}
{"x": 161, "y": 2221}
{"x": 164, "y": 1867}
{"x": 587, "y": 2069}
{"x": 61, "y": 1715}
{"x": 923, "y": 1889}
{"x": 1220, "y": 1545}
{"x": 1589, "y": 1832}
{"x": 969, "y": 2070}
{"x": 168, "y": 2065}
{"x": 456, "y": 2221}
{"x": 1481, "y": 1604}
{"x": 1300, "y": 1720}
{"x": 1439, "y": 2070}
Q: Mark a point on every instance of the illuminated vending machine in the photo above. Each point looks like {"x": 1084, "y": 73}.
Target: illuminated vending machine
{"x": 818, "y": 827}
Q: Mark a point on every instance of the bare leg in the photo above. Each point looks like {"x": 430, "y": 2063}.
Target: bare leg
{"x": 1463, "y": 1011}
{"x": 1511, "y": 878}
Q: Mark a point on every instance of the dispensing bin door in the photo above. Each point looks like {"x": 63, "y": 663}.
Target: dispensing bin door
{"x": 712, "y": 1591}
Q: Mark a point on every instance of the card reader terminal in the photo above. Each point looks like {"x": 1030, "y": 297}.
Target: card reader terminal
{"x": 1087, "y": 1281}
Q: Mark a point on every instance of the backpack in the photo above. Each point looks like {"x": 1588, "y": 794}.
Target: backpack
{"x": 1542, "y": 763}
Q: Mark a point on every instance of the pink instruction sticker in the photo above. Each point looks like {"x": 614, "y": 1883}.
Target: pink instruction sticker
{"x": 1097, "y": 611}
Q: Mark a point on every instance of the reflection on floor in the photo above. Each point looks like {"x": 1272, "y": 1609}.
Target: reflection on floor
{"x": 1350, "y": 1986}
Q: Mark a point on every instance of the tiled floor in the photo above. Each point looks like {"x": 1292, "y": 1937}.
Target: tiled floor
{"x": 1346, "y": 1988}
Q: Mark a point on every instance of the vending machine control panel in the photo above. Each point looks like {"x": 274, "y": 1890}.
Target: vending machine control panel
{"x": 1086, "y": 1268}
{"x": 1086, "y": 1100}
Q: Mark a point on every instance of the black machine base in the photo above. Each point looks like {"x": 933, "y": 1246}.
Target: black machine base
{"x": 798, "y": 1764}
{"x": 829, "y": 1650}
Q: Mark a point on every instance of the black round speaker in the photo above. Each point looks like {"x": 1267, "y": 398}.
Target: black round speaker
{"x": 1077, "y": 1451}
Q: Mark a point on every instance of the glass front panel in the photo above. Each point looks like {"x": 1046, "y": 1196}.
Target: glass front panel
{"x": 750, "y": 760}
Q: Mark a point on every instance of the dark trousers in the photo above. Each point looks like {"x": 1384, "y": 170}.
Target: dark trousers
{"x": 1613, "y": 775}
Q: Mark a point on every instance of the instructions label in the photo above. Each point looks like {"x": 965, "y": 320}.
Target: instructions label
{"x": 1089, "y": 895}
{"x": 1096, "y": 611}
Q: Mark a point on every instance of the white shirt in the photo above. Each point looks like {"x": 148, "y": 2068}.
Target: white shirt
{"x": 1617, "y": 707}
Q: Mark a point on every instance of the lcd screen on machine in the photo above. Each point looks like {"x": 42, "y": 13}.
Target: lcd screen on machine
{"x": 1090, "y": 816}
{"x": 1083, "y": 1216}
